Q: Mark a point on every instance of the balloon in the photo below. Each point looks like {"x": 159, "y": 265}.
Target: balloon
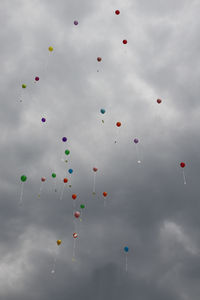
{"x": 77, "y": 214}
{"x": 98, "y": 59}
{"x": 70, "y": 171}
{"x": 53, "y": 175}
{"x": 105, "y": 194}
{"x": 37, "y": 78}
{"x": 23, "y": 86}
{"x": 118, "y": 124}
{"x": 75, "y": 22}
{"x": 117, "y": 12}
{"x": 43, "y": 179}
{"x": 74, "y": 196}
{"x": 82, "y": 206}
{"x": 67, "y": 152}
{"x": 75, "y": 235}
{"x": 95, "y": 169}
{"x": 65, "y": 180}
{"x": 182, "y": 164}
{"x": 64, "y": 139}
{"x": 136, "y": 141}
{"x": 102, "y": 110}
{"x": 23, "y": 178}
{"x": 43, "y": 120}
{"x": 126, "y": 249}
{"x": 159, "y": 101}
{"x": 59, "y": 242}
{"x": 50, "y": 49}
{"x": 125, "y": 42}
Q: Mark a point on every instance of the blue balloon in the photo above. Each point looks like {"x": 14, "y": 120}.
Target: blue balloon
{"x": 103, "y": 111}
{"x": 70, "y": 171}
{"x": 126, "y": 249}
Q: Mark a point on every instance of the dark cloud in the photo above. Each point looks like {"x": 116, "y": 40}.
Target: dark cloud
{"x": 148, "y": 208}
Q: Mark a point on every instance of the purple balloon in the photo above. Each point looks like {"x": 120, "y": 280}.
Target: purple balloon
{"x": 75, "y": 22}
{"x": 43, "y": 120}
{"x": 64, "y": 139}
{"x": 136, "y": 141}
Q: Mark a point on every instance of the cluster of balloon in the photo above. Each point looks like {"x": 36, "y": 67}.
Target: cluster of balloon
{"x": 23, "y": 179}
{"x": 118, "y": 124}
{"x": 126, "y": 249}
{"x": 94, "y": 181}
{"x": 64, "y": 140}
{"x": 54, "y": 176}
{"x": 136, "y": 141}
{"x": 159, "y": 101}
{"x": 105, "y": 195}
{"x": 58, "y": 242}
{"x": 182, "y": 165}
{"x": 65, "y": 180}
{"x": 102, "y": 110}
{"x": 43, "y": 179}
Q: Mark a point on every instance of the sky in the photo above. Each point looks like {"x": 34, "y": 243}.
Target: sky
{"x": 148, "y": 207}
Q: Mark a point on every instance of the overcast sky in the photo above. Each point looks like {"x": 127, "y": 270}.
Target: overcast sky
{"x": 148, "y": 207}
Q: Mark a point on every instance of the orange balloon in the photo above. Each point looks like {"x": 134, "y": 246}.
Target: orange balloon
{"x": 59, "y": 242}
{"x": 74, "y": 196}
{"x": 118, "y": 124}
{"x": 105, "y": 194}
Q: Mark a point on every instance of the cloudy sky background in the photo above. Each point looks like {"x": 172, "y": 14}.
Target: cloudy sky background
{"x": 148, "y": 208}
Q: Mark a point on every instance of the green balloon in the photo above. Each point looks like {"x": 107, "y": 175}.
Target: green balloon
{"x": 67, "y": 152}
{"x": 23, "y": 86}
{"x": 53, "y": 175}
{"x": 23, "y": 178}
{"x": 82, "y": 206}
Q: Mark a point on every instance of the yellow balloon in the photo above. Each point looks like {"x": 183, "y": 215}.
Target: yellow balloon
{"x": 50, "y": 49}
{"x": 59, "y": 242}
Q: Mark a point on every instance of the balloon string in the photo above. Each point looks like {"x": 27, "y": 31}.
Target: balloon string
{"x": 21, "y": 194}
{"x": 184, "y": 179}
{"x": 94, "y": 183}
{"x": 74, "y": 247}
{"x": 138, "y": 154}
{"x": 40, "y": 190}
{"x": 62, "y": 192}
{"x": 126, "y": 263}
{"x": 54, "y": 264}
{"x": 104, "y": 203}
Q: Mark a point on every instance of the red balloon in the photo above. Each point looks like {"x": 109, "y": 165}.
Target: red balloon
{"x": 95, "y": 169}
{"x": 65, "y": 180}
{"x": 182, "y": 164}
{"x": 99, "y": 59}
{"x": 118, "y": 124}
{"x": 77, "y": 214}
{"x": 43, "y": 179}
{"x": 74, "y": 196}
{"x": 37, "y": 78}
{"x": 117, "y": 12}
{"x": 75, "y": 235}
{"x": 125, "y": 42}
{"x": 159, "y": 101}
{"x": 105, "y": 194}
